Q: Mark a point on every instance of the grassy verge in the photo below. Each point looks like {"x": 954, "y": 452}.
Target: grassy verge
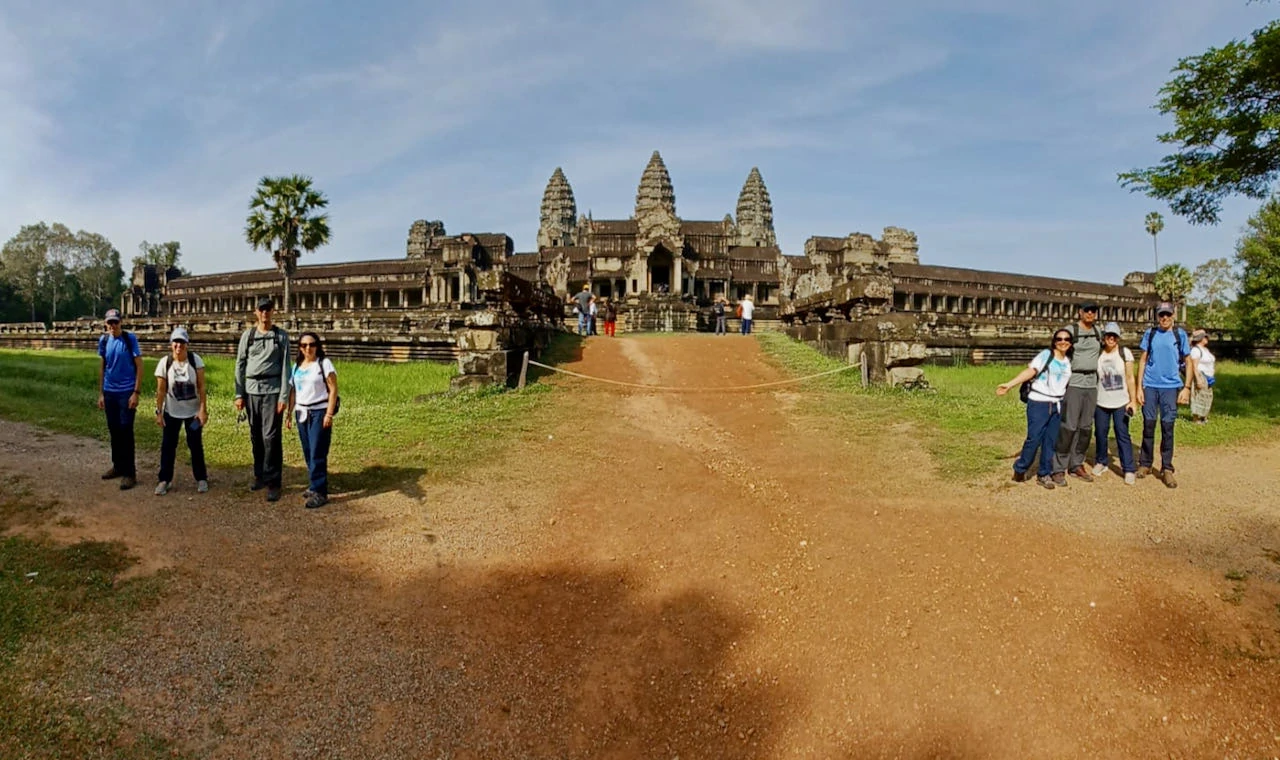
{"x": 971, "y": 432}
{"x": 397, "y": 420}
{"x": 51, "y": 598}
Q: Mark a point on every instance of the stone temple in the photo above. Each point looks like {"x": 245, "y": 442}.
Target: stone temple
{"x": 655, "y": 252}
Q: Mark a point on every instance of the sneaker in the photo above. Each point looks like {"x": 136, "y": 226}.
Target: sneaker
{"x": 110, "y": 474}
{"x": 202, "y": 486}
{"x": 307, "y": 494}
{"x": 1060, "y": 479}
{"x": 273, "y": 494}
{"x": 1045, "y": 481}
{"x": 127, "y": 482}
{"x": 1130, "y": 478}
{"x": 1099, "y": 470}
{"x": 162, "y": 488}
{"x": 316, "y": 501}
{"x": 1169, "y": 480}
{"x": 1020, "y": 477}
{"x": 258, "y": 485}
{"x": 1143, "y": 471}
{"x": 1082, "y": 473}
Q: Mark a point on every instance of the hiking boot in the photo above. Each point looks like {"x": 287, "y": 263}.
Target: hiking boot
{"x": 110, "y": 474}
{"x": 127, "y": 482}
{"x": 307, "y": 494}
{"x": 1045, "y": 481}
{"x": 1143, "y": 471}
{"x": 273, "y": 494}
{"x": 162, "y": 488}
{"x": 1059, "y": 479}
{"x": 1130, "y": 478}
{"x": 1082, "y": 473}
{"x": 1099, "y": 470}
{"x": 316, "y": 501}
{"x": 258, "y": 485}
{"x": 1020, "y": 477}
{"x": 202, "y": 486}
{"x": 1169, "y": 480}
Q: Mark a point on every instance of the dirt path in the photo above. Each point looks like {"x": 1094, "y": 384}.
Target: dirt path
{"x": 697, "y": 575}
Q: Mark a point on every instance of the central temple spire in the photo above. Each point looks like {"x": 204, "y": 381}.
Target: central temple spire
{"x": 755, "y": 212}
{"x": 557, "y": 221}
{"x": 655, "y": 193}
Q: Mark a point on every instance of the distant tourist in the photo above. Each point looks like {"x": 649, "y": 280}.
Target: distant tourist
{"x": 747, "y": 310}
{"x": 594, "y": 311}
{"x": 610, "y": 318}
{"x": 1081, "y": 399}
{"x": 119, "y": 386}
{"x": 1206, "y": 368}
{"x": 1164, "y": 381}
{"x": 180, "y": 403}
{"x": 718, "y": 311}
{"x": 314, "y": 401}
{"x": 1117, "y": 401}
{"x": 1049, "y": 372}
{"x": 262, "y": 390}
{"x": 582, "y": 301}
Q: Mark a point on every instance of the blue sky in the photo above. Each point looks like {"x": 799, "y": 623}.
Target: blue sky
{"x": 992, "y": 128}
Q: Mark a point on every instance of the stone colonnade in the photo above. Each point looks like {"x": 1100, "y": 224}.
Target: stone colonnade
{"x": 992, "y": 306}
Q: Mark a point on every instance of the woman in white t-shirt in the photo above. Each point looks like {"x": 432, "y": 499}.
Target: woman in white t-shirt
{"x": 180, "y": 403}
{"x": 1049, "y": 373}
{"x": 313, "y": 398}
{"x": 1117, "y": 401}
{"x": 1206, "y": 368}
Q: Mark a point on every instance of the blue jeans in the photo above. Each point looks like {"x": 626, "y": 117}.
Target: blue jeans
{"x": 583, "y": 322}
{"x": 720, "y": 325}
{"x": 1162, "y": 404}
{"x": 315, "y": 449}
{"x": 1043, "y": 421}
{"x": 746, "y": 326}
{"x": 1119, "y": 419}
{"x": 120, "y": 425}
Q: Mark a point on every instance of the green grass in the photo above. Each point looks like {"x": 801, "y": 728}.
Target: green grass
{"x": 52, "y": 596}
{"x": 971, "y": 432}
{"x": 397, "y": 422}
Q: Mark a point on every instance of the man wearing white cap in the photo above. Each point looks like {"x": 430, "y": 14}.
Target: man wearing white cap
{"x": 180, "y": 403}
{"x": 119, "y": 386}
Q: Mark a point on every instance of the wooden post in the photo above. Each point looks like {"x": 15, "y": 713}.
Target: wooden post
{"x": 524, "y": 370}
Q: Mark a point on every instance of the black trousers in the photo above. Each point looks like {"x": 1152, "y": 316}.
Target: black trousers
{"x": 120, "y": 424}
{"x": 169, "y": 447}
{"x": 264, "y": 433}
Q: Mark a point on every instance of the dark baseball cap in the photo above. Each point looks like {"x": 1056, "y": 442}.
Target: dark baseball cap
{"x": 113, "y": 315}
{"x": 1164, "y": 308}
{"x": 266, "y": 304}
{"x": 1089, "y": 306}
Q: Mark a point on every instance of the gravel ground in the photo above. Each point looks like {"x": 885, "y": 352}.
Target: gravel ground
{"x": 696, "y": 576}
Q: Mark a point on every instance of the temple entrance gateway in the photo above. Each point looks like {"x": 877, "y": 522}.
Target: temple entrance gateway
{"x": 660, "y": 265}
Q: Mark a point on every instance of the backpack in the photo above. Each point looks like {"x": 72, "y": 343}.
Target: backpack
{"x": 1024, "y": 390}
{"x": 1179, "y": 335}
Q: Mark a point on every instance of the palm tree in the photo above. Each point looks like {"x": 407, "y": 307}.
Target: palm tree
{"x": 1173, "y": 283}
{"x": 283, "y": 220}
{"x": 1155, "y": 224}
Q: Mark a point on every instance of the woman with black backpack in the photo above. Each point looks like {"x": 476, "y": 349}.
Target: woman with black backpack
{"x": 181, "y": 404}
{"x": 1044, "y": 383}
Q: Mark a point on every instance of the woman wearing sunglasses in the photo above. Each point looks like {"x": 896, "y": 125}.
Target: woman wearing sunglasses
{"x": 1049, "y": 373}
{"x": 314, "y": 401}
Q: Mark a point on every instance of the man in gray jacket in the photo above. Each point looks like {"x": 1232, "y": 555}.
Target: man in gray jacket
{"x": 1081, "y": 400}
{"x": 262, "y": 390}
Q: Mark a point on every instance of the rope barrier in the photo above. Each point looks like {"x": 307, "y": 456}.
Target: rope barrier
{"x": 681, "y": 389}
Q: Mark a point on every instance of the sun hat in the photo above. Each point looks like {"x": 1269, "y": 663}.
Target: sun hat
{"x": 1198, "y": 336}
{"x": 179, "y": 333}
{"x": 1112, "y": 329}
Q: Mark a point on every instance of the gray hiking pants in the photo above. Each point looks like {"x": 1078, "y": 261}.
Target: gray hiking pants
{"x": 264, "y": 435}
{"x": 1077, "y": 428}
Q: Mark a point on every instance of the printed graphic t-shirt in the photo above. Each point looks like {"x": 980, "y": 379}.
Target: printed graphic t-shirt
{"x": 1049, "y": 386}
{"x": 1111, "y": 392}
{"x": 182, "y": 400}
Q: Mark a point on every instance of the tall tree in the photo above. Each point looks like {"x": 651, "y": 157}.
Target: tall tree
{"x": 164, "y": 256}
{"x": 1215, "y": 286}
{"x": 57, "y": 281}
{"x": 1155, "y": 225}
{"x": 1225, "y": 105}
{"x": 1174, "y": 283}
{"x": 97, "y": 269}
{"x": 26, "y": 256}
{"x": 1258, "y": 253}
{"x": 283, "y": 219}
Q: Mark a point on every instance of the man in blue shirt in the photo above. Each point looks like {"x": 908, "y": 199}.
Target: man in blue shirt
{"x": 1162, "y": 384}
{"x": 119, "y": 383}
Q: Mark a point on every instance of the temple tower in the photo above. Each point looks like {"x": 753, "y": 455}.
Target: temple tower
{"x": 755, "y": 213}
{"x": 558, "y": 218}
{"x": 658, "y": 238}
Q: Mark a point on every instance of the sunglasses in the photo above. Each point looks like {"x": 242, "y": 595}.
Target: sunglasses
{"x": 1062, "y": 339}
{"x": 308, "y": 344}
